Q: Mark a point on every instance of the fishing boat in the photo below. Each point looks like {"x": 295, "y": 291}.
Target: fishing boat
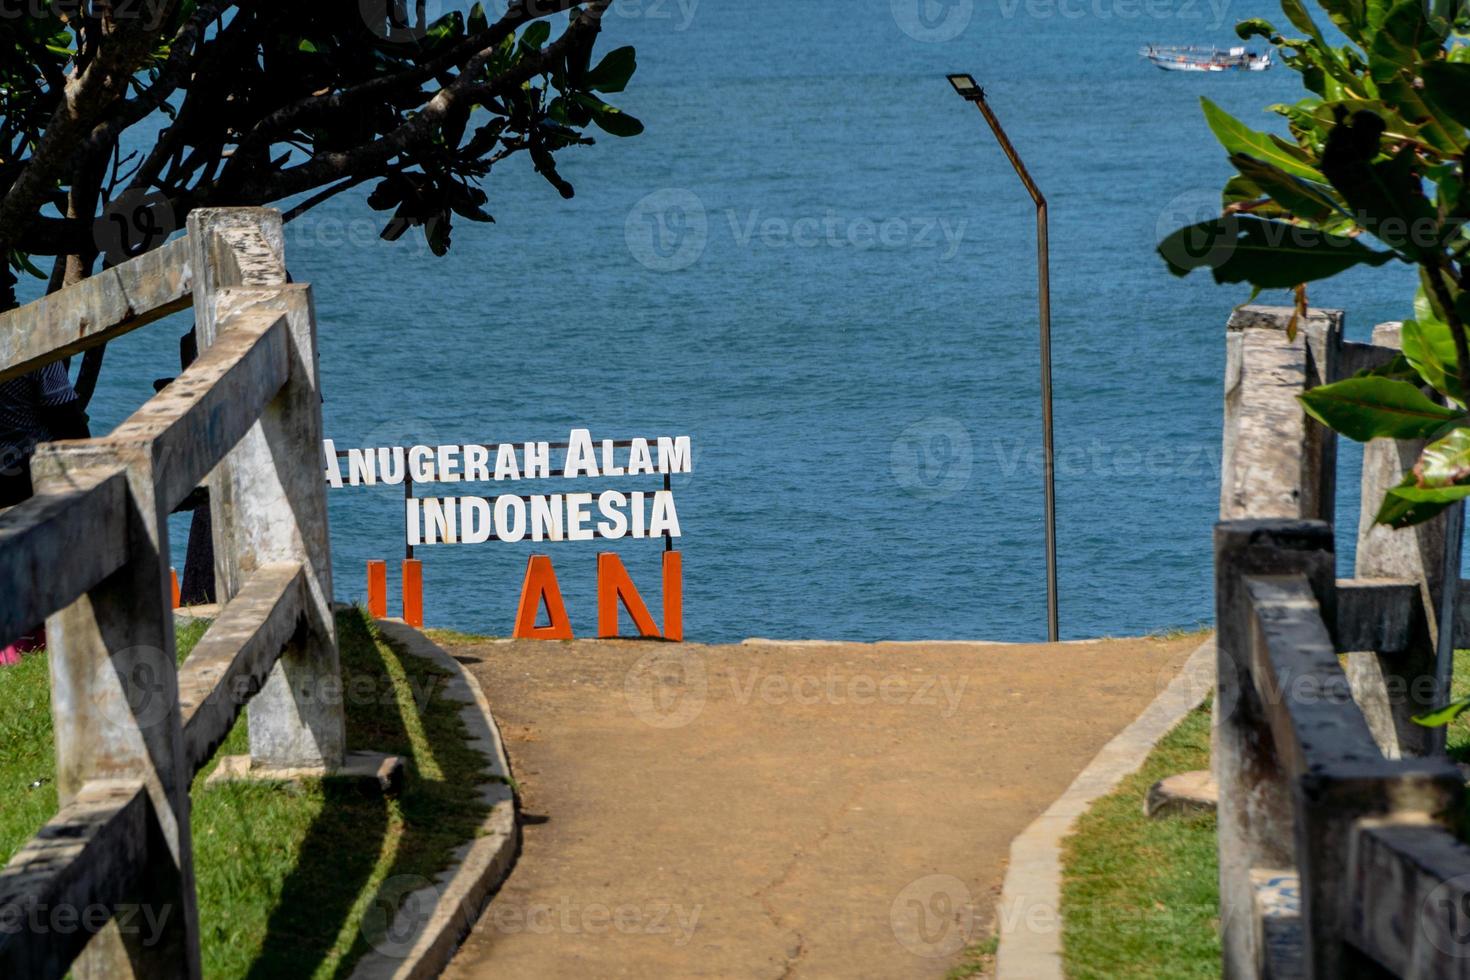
{"x": 1181, "y": 58}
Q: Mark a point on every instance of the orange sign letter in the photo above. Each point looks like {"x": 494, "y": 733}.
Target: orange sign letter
{"x": 613, "y": 583}
{"x": 413, "y": 592}
{"x": 377, "y": 583}
{"x": 541, "y": 585}
{"x": 673, "y": 596}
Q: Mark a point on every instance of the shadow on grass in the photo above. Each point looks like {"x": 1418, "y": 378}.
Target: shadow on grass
{"x": 337, "y": 861}
{"x": 361, "y": 854}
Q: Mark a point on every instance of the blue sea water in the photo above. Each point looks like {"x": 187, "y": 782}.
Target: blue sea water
{"x": 817, "y": 263}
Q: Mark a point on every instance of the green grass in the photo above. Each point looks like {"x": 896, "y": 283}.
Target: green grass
{"x": 1457, "y": 738}
{"x": 445, "y": 637}
{"x": 285, "y": 873}
{"x": 976, "y": 961}
{"x": 1139, "y": 896}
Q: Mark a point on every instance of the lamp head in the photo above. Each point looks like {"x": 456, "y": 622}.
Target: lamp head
{"x": 966, "y": 86}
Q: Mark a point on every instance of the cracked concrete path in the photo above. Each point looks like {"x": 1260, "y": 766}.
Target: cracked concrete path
{"x": 773, "y": 810}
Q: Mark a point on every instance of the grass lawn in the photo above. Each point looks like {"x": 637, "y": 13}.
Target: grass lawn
{"x": 285, "y": 874}
{"x": 1457, "y": 739}
{"x": 1139, "y": 896}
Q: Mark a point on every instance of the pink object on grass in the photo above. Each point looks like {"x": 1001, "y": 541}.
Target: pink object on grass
{"x": 28, "y": 643}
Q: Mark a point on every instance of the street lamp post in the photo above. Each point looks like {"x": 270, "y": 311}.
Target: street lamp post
{"x": 970, "y": 91}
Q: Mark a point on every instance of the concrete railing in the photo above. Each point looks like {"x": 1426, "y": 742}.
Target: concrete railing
{"x": 89, "y": 553}
{"x": 1336, "y": 854}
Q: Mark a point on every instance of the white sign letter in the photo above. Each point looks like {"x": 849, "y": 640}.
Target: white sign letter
{"x": 505, "y": 462}
{"x": 538, "y": 460}
{"x": 674, "y": 455}
{"x": 510, "y": 517}
{"x": 611, "y": 503}
{"x": 577, "y": 517}
{"x": 476, "y": 464}
{"x": 474, "y": 520}
{"x": 421, "y": 464}
{"x": 546, "y": 517}
{"x": 334, "y": 466}
{"x": 415, "y": 536}
{"x": 449, "y": 463}
{"x": 664, "y": 520}
{"x": 581, "y": 458}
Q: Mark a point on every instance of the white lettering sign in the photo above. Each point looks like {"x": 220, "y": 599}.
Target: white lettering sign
{"x": 572, "y": 516}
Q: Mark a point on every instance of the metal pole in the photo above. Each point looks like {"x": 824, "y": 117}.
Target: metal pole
{"x": 407, "y": 495}
{"x": 1043, "y": 285}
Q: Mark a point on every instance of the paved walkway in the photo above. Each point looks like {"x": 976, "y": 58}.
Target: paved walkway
{"x": 774, "y": 810}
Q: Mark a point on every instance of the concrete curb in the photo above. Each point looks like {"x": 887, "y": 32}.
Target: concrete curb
{"x": 1029, "y": 916}
{"x": 434, "y": 917}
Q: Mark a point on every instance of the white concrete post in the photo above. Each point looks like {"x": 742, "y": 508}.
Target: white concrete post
{"x": 114, "y": 705}
{"x": 1393, "y": 687}
{"x": 1277, "y": 461}
{"x": 1255, "y": 817}
{"x": 268, "y": 497}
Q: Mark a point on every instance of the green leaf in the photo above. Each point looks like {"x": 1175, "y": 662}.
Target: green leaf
{"x": 1445, "y": 463}
{"x": 1386, "y": 196}
{"x": 1447, "y": 88}
{"x": 22, "y": 261}
{"x": 1402, "y": 90}
{"x": 1241, "y": 190}
{"x": 447, "y": 27}
{"x": 1429, "y": 346}
{"x": 1365, "y": 408}
{"x": 535, "y": 35}
{"x": 388, "y": 194}
{"x": 436, "y": 233}
{"x": 1303, "y": 198}
{"x": 1396, "y": 367}
{"x": 1405, "y": 38}
{"x": 1432, "y": 495}
{"x": 1236, "y": 137}
{"x": 1432, "y": 486}
{"x": 1408, "y": 504}
{"x": 1296, "y": 12}
{"x": 1266, "y": 254}
{"x": 1443, "y": 716}
{"x": 478, "y": 21}
{"x": 1349, "y": 16}
{"x": 612, "y": 72}
{"x": 609, "y": 119}
{"x": 1254, "y": 27}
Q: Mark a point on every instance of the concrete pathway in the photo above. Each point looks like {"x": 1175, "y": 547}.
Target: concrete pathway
{"x": 774, "y": 810}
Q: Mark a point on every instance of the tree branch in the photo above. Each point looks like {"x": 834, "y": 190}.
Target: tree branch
{"x": 321, "y": 196}
{"x": 1457, "y": 329}
{"x": 476, "y": 48}
{"x": 372, "y": 157}
{"x": 181, "y": 49}
{"x": 87, "y": 97}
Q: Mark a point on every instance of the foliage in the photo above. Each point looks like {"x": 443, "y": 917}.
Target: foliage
{"x": 1373, "y": 173}
{"x": 238, "y": 104}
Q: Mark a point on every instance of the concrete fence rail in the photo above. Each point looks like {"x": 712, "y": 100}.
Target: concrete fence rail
{"x": 1336, "y": 815}
{"x": 89, "y": 553}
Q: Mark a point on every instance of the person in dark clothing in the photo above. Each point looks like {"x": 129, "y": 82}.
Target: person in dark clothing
{"x": 38, "y": 407}
{"x": 34, "y": 408}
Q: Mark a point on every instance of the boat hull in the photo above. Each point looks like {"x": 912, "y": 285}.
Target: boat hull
{"x": 1204, "y": 60}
